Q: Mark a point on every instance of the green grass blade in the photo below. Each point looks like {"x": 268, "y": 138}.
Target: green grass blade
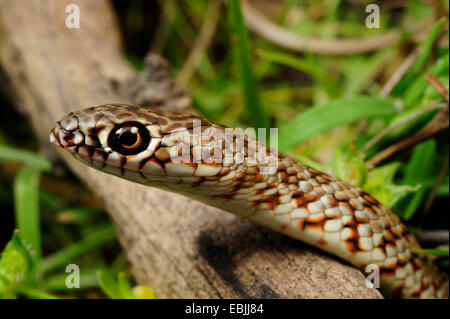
{"x": 259, "y": 118}
{"x": 444, "y": 188}
{"x": 417, "y": 171}
{"x": 415, "y": 90}
{"x": 34, "y": 293}
{"x": 290, "y": 60}
{"x": 319, "y": 119}
{"x": 26, "y": 204}
{"x": 311, "y": 163}
{"x": 431, "y": 251}
{"x": 108, "y": 284}
{"x": 443, "y": 263}
{"x": 421, "y": 163}
{"x": 424, "y": 54}
{"x": 124, "y": 286}
{"x": 414, "y": 203}
{"x": 428, "y": 45}
{"x": 57, "y": 282}
{"x": 32, "y": 159}
{"x": 66, "y": 255}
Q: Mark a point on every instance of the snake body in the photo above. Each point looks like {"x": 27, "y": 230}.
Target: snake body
{"x": 161, "y": 149}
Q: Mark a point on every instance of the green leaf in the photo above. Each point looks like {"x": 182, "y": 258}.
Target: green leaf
{"x": 420, "y": 62}
{"x": 359, "y": 71}
{"x": 66, "y": 255}
{"x": 319, "y": 119}
{"x": 108, "y": 284}
{"x": 421, "y": 163}
{"x": 395, "y": 193}
{"x": 57, "y": 282}
{"x": 32, "y": 159}
{"x": 349, "y": 166}
{"x": 431, "y": 94}
{"x": 415, "y": 91}
{"x": 431, "y": 251}
{"x": 427, "y": 45}
{"x": 444, "y": 188}
{"x": 443, "y": 263}
{"x": 300, "y": 64}
{"x": 259, "y": 118}
{"x": 144, "y": 292}
{"x": 414, "y": 203}
{"x": 124, "y": 286}
{"x": 137, "y": 63}
{"x": 31, "y": 292}
{"x": 380, "y": 183}
{"x": 417, "y": 171}
{"x": 311, "y": 163}
{"x": 15, "y": 264}
{"x": 26, "y": 204}
{"x": 121, "y": 289}
{"x": 382, "y": 173}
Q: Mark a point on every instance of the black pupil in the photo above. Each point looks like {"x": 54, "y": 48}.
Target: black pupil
{"x": 128, "y": 138}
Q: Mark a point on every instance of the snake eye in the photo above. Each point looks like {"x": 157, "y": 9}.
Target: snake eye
{"x": 129, "y": 138}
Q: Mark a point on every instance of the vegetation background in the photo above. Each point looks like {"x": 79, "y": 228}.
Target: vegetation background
{"x": 375, "y": 114}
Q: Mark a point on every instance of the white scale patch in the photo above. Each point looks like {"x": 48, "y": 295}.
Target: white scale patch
{"x": 333, "y": 225}
{"x": 364, "y": 230}
{"x": 365, "y": 243}
{"x": 306, "y": 187}
{"x": 270, "y": 191}
{"x": 152, "y": 168}
{"x": 262, "y": 216}
{"x": 299, "y": 213}
{"x": 179, "y": 169}
{"x": 333, "y": 212}
{"x": 281, "y": 220}
{"x": 316, "y": 207}
{"x": 207, "y": 170}
{"x": 282, "y": 209}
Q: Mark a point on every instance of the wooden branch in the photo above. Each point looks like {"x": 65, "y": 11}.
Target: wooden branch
{"x": 438, "y": 85}
{"x": 399, "y": 73}
{"x": 181, "y": 248}
{"x": 439, "y": 123}
{"x": 412, "y": 116}
{"x": 276, "y": 34}
{"x": 201, "y": 43}
{"x": 282, "y": 37}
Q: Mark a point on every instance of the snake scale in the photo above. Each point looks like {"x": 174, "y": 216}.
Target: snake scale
{"x": 167, "y": 150}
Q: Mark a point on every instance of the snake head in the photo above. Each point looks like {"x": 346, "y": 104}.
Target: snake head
{"x": 137, "y": 143}
{"x": 117, "y": 139}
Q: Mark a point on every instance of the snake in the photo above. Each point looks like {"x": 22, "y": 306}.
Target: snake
{"x": 230, "y": 170}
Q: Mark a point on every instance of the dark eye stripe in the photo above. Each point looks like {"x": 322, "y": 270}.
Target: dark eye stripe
{"x": 129, "y": 138}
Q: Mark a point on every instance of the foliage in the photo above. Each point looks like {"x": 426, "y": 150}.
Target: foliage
{"x": 121, "y": 288}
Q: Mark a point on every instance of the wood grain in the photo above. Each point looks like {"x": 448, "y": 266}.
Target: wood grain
{"x": 181, "y": 248}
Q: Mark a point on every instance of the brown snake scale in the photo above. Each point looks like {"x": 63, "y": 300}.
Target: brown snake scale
{"x": 158, "y": 148}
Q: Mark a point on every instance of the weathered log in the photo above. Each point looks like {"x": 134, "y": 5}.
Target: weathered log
{"x": 181, "y": 248}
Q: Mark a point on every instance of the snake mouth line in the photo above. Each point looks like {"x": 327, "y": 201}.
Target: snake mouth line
{"x": 113, "y": 170}
{"x": 63, "y": 138}
{"x": 54, "y": 136}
